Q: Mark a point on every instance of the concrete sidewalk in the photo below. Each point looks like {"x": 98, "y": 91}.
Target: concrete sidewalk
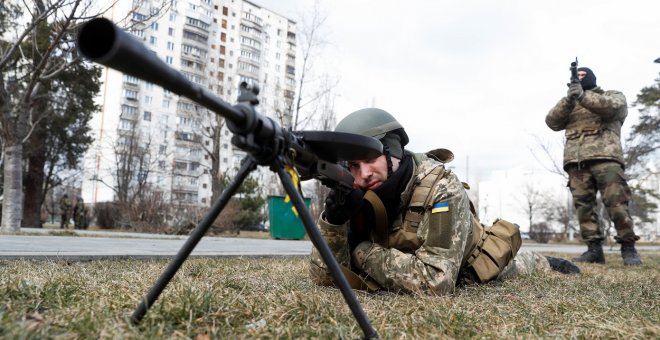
{"x": 97, "y": 245}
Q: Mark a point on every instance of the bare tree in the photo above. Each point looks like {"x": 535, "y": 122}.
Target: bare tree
{"x": 135, "y": 161}
{"x": 548, "y": 161}
{"x": 559, "y": 211}
{"x": 530, "y": 202}
{"x": 35, "y": 32}
{"x": 311, "y": 43}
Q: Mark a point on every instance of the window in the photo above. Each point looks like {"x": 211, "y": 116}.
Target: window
{"x": 166, "y": 103}
{"x": 129, "y": 110}
{"x": 195, "y": 36}
{"x": 152, "y": 40}
{"x": 225, "y": 10}
{"x": 224, "y": 23}
{"x": 169, "y": 60}
{"x": 197, "y": 23}
{"x": 147, "y": 116}
{"x": 170, "y": 32}
{"x": 249, "y": 41}
{"x": 130, "y": 94}
{"x": 148, "y": 100}
{"x": 180, "y": 165}
{"x": 138, "y": 16}
{"x": 131, "y": 80}
{"x": 125, "y": 124}
{"x": 170, "y": 46}
{"x": 154, "y": 26}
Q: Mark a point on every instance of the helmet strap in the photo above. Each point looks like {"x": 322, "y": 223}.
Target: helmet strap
{"x": 388, "y": 157}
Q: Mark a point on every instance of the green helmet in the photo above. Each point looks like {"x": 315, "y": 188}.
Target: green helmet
{"x": 379, "y": 124}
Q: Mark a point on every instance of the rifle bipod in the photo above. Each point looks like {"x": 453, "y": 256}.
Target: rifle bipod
{"x": 248, "y": 165}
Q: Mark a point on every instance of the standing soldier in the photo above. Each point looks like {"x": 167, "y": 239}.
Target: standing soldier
{"x": 65, "y": 210}
{"x": 79, "y": 219}
{"x": 593, "y": 159}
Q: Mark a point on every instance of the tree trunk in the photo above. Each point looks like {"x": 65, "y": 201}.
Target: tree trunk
{"x": 34, "y": 181}
{"x": 12, "y": 204}
{"x": 215, "y": 161}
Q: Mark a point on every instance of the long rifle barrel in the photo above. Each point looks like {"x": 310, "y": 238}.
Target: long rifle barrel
{"x": 102, "y": 41}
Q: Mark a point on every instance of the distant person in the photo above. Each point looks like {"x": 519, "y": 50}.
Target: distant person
{"x": 79, "y": 214}
{"x": 65, "y": 211}
{"x": 593, "y": 159}
{"x": 409, "y": 225}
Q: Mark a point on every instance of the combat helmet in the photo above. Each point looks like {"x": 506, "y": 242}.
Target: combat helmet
{"x": 379, "y": 124}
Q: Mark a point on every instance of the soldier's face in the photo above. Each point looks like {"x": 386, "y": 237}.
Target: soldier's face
{"x": 371, "y": 173}
{"x": 582, "y": 74}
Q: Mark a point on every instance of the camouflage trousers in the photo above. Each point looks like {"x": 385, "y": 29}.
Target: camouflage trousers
{"x": 525, "y": 263}
{"x": 606, "y": 177}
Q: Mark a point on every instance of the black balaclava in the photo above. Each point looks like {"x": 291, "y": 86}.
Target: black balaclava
{"x": 389, "y": 193}
{"x": 391, "y": 148}
{"x": 589, "y": 80}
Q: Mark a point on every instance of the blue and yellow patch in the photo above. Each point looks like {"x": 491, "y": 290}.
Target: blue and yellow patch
{"x": 440, "y": 207}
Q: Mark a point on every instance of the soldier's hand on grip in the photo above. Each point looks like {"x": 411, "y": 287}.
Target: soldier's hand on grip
{"x": 575, "y": 91}
{"x": 339, "y": 209}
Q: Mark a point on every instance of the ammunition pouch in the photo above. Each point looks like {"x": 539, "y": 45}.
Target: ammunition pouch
{"x": 497, "y": 247}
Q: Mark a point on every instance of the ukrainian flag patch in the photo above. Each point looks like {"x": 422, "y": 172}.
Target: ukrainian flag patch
{"x": 440, "y": 207}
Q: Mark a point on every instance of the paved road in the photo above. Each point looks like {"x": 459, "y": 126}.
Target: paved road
{"x": 95, "y": 245}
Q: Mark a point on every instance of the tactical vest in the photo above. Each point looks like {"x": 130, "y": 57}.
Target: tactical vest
{"x": 486, "y": 253}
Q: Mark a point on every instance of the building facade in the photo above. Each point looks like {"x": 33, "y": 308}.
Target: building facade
{"x": 147, "y": 138}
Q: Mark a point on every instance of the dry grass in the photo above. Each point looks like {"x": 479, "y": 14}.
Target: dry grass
{"x": 272, "y": 298}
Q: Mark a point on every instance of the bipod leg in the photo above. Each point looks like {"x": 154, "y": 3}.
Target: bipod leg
{"x": 195, "y": 236}
{"x": 326, "y": 253}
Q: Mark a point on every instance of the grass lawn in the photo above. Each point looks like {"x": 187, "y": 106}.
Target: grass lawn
{"x": 273, "y": 298}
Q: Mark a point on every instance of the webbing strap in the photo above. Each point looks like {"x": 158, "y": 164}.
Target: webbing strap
{"x": 422, "y": 196}
{"x": 380, "y": 233}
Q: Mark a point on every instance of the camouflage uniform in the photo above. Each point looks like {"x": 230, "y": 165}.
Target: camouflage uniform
{"x": 434, "y": 265}
{"x": 593, "y": 159}
{"x": 65, "y": 211}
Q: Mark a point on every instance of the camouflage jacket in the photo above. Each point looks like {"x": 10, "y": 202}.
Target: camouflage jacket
{"x": 592, "y": 124}
{"x": 444, "y": 236}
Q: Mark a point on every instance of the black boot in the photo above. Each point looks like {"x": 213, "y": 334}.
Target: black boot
{"x": 594, "y": 253}
{"x": 629, "y": 254}
{"x": 562, "y": 266}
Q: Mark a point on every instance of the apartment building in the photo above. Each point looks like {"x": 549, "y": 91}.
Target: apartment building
{"x": 148, "y": 138}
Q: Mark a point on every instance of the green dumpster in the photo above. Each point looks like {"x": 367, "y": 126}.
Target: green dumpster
{"x": 284, "y": 224}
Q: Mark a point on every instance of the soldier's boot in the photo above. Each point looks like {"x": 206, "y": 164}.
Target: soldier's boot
{"x": 594, "y": 253}
{"x": 629, "y": 254}
{"x": 562, "y": 266}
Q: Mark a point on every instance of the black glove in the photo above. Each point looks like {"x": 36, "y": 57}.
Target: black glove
{"x": 340, "y": 209}
{"x": 575, "y": 91}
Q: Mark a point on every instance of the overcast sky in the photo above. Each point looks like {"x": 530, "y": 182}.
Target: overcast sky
{"x": 478, "y": 77}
